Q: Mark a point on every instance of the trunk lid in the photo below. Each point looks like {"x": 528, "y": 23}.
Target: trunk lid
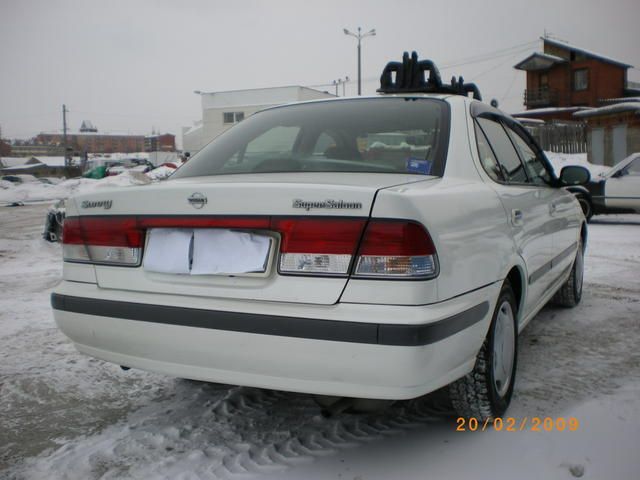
{"x": 258, "y": 195}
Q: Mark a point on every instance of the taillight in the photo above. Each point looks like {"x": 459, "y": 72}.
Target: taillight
{"x": 317, "y": 245}
{"x": 396, "y": 249}
{"x": 106, "y": 240}
{"x": 308, "y": 245}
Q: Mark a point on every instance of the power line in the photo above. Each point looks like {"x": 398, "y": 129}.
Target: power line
{"x": 491, "y": 55}
{"x": 475, "y": 77}
{"x": 505, "y": 52}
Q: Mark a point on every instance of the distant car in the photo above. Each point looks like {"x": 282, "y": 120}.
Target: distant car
{"x": 11, "y": 178}
{"x": 20, "y": 178}
{"x": 371, "y": 247}
{"x": 116, "y": 169}
{"x": 54, "y": 222}
{"x": 615, "y": 191}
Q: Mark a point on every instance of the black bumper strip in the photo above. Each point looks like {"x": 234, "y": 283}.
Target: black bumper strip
{"x": 334, "y": 330}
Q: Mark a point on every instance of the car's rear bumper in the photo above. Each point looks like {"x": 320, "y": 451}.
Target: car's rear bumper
{"x": 356, "y": 350}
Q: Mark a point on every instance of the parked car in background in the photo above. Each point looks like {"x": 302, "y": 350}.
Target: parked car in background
{"x": 614, "y": 191}
{"x": 54, "y": 222}
{"x": 20, "y": 178}
{"x": 372, "y": 247}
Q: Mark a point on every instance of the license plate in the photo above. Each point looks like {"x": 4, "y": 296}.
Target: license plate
{"x": 206, "y": 251}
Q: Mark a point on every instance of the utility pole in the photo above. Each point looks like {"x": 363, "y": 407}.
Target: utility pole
{"x": 64, "y": 136}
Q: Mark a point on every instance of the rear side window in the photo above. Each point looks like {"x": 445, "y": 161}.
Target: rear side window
{"x": 535, "y": 168}
{"x": 386, "y": 135}
{"x": 487, "y": 158}
{"x": 512, "y": 168}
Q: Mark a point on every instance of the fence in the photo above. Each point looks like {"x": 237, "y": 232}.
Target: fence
{"x": 561, "y": 137}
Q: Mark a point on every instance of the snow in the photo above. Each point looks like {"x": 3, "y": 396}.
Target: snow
{"x": 53, "y": 161}
{"x": 589, "y": 53}
{"x": 13, "y": 161}
{"x": 160, "y": 173}
{"x": 111, "y": 157}
{"x": 560, "y": 160}
{"x": 615, "y": 108}
{"x": 543, "y": 111}
{"x": 41, "y": 192}
{"x": 19, "y": 168}
{"x": 68, "y": 416}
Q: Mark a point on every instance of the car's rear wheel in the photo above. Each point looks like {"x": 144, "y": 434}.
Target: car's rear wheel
{"x": 570, "y": 293}
{"x": 486, "y": 391}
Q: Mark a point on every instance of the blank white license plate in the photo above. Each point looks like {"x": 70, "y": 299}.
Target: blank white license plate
{"x": 206, "y": 251}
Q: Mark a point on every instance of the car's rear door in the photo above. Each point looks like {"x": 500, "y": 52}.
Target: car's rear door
{"x": 564, "y": 213}
{"x": 527, "y": 204}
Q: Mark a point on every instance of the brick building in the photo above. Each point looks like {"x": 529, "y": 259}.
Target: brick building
{"x": 563, "y": 79}
{"x": 91, "y": 142}
{"x": 5, "y": 149}
{"x": 165, "y": 142}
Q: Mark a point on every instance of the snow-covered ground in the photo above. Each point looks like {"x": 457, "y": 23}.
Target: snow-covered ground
{"x": 67, "y": 416}
{"x": 559, "y": 160}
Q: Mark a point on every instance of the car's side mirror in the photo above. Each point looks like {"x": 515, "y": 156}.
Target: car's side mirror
{"x": 619, "y": 173}
{"x": 574, "y": 175}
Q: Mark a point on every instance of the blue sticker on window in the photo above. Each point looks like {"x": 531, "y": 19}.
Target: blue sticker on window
{"x": 419, "y": 165}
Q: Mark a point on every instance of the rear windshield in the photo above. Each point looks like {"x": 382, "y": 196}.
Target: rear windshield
{"x": 386, "y": 135}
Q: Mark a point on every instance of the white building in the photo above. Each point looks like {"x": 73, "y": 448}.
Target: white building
{"x": 220, "y": 110}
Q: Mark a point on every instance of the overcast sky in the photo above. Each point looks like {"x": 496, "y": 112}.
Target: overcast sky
{"x": 133, "y": 65}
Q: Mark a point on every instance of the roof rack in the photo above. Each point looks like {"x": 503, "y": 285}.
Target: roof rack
{"x": 410, "y": 78}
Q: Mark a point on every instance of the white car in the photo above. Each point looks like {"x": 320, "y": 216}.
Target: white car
{"x": 373, "y": 247}
{"x": 614, "y": 191}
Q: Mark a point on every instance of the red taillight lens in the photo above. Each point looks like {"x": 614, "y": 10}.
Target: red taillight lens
{"x": 396, "y": 237}
{"x": 107, "y": 232}
{"x": 71, "y": 233}
{"x": 108, "y": 240}
{"x": 396, "y": 249}
{"x": 317, "y": 245}
{"x": 310, "y": 235}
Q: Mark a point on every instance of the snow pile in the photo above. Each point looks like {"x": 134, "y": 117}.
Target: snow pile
{"x": 4, "y": 184}
{"x": 560, "y": 160}
{"x": 160, "y": 173}
{"x": 38, "y": 192}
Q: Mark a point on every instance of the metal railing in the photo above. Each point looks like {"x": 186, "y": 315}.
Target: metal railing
{"x": 541, "y": 97}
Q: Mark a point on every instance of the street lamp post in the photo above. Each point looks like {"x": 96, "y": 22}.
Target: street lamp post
{"x": 360, "y": 36}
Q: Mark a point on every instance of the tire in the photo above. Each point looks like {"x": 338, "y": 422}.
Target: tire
{"x": 486, "y": 392}
{"x": 586, "y": 205}
{"x": 570, "y": 293}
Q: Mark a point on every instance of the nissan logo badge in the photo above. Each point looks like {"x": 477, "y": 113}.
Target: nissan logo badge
{"x": 197, "y": 200}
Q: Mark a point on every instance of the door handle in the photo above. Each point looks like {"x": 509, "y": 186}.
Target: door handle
{"x": 516, "y": 217}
